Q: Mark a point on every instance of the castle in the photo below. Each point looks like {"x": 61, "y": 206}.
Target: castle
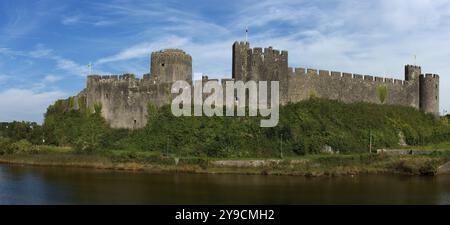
{"x": 124, "y": 99}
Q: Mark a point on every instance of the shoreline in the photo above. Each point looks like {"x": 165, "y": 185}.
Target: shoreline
{"x": 306, "y": 167}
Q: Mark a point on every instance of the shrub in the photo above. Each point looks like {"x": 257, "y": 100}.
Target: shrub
{"x": 299, "y": 147}
{"x": 382, "y": 93}
{"x": 304, "y": 128}
{"x": 5, "y": 146}
{"x": 23, "y": 147}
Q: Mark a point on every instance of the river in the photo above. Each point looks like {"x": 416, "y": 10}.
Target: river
{"x": 51, "y": 185}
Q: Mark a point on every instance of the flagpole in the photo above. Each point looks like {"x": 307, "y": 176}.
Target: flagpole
{"x": 90, "y": 68}
{"x": 246, "y": 33}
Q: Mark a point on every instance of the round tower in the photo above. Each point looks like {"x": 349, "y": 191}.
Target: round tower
{"x": 429, "y": 93}
{"x": 170, "y": 65}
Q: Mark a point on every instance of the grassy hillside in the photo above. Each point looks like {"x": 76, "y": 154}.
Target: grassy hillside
{"x": 304, "y": 128}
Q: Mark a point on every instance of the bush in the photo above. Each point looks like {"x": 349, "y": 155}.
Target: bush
{"x": 17, "y": 131}
{"x": 23, "y": 147}
{"x": 5, "y": 146}
{"x": 304, "y": 128}
{"x": 299, "y": 147}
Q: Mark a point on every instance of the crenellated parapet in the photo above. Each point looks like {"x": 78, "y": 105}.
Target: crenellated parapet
{"x": 170, "y": 65}
{"x": 261, "y": 64}
{"x": 258, "y": 63}
{"x": 125, "y": 98}
{"x": 351, "y": 87}
{"x": 412, "y": 72}
{"x": 333, "y": 75}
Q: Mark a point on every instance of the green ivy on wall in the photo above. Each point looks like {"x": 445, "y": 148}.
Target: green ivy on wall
{"x": 382, "y": 93}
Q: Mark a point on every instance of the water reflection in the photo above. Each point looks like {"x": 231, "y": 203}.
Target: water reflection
{"x": 39, "y": 185}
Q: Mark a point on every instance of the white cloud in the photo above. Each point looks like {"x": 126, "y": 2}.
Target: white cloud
{"x": 45, "y": 83}
{"x": 144, "y": 49}
{"x": 69, "y": 20}
{"x": 10, "y": 52}
{"x": 367, "y": 37}
{"x": 4, "y": 78}
{"x": 41, "y": 52}
{"x": 84, "y": 19}
{"x": 70, "y": 66}
{"x": 52, "y": 78}
{"x": 24, "y": 104}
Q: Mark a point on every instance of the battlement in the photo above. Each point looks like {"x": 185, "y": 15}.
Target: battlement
{"x": 242, "y": 43}
{"x": 412, "y": 66}
{"x": 171, "y": 51}
{"x": 170, "y": 65}
{"x": 258, "y": 63}
{"x": 146, "y": 76}
{"x": 342, "y": 75}
{"x": 124, "y": 98}
{"x": 336, "y": 74}
{"x": 267, "y": 53}
{"x": 429, "y": 76}
{"x": 126, "y": 76}
{"x": 368, "y": 78}
{"x": 412, "y": 72}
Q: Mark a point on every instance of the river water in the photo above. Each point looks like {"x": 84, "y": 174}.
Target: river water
{"x": 51, "y": 185}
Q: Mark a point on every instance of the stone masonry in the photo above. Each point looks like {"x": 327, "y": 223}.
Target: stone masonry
{"x": 125, "y": 98}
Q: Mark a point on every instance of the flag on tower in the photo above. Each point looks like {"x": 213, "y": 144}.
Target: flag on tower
{"x": 246, "y": 33}
{"x": 90, "y": 68}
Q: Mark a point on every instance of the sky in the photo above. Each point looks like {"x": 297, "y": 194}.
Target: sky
{"x": 46, "y": 45}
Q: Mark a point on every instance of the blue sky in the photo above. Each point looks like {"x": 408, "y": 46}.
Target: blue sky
{"x": 45, "y": 45}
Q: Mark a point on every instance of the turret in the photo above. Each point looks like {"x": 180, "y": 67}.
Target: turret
{"x": 170, "y": 65}
{"x": 412, "y": 72}
{"x": 92, "y": 80}
{"x": 429, "y": 93}
{"x": 240, "y": 60}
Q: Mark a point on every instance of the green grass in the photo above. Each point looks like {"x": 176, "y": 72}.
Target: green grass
{"x": 309, "y": 165}
{"x": 438, "y": 146}
{"x": 54, "y": 149}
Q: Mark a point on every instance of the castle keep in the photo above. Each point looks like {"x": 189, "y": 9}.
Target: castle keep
{"x": 124, "y": 99}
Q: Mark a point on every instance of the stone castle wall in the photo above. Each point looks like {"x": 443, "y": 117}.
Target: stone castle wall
{"x": 124, "y": 99}
{"x": 347, "y": 87}
{"x": 417, "y": 90}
